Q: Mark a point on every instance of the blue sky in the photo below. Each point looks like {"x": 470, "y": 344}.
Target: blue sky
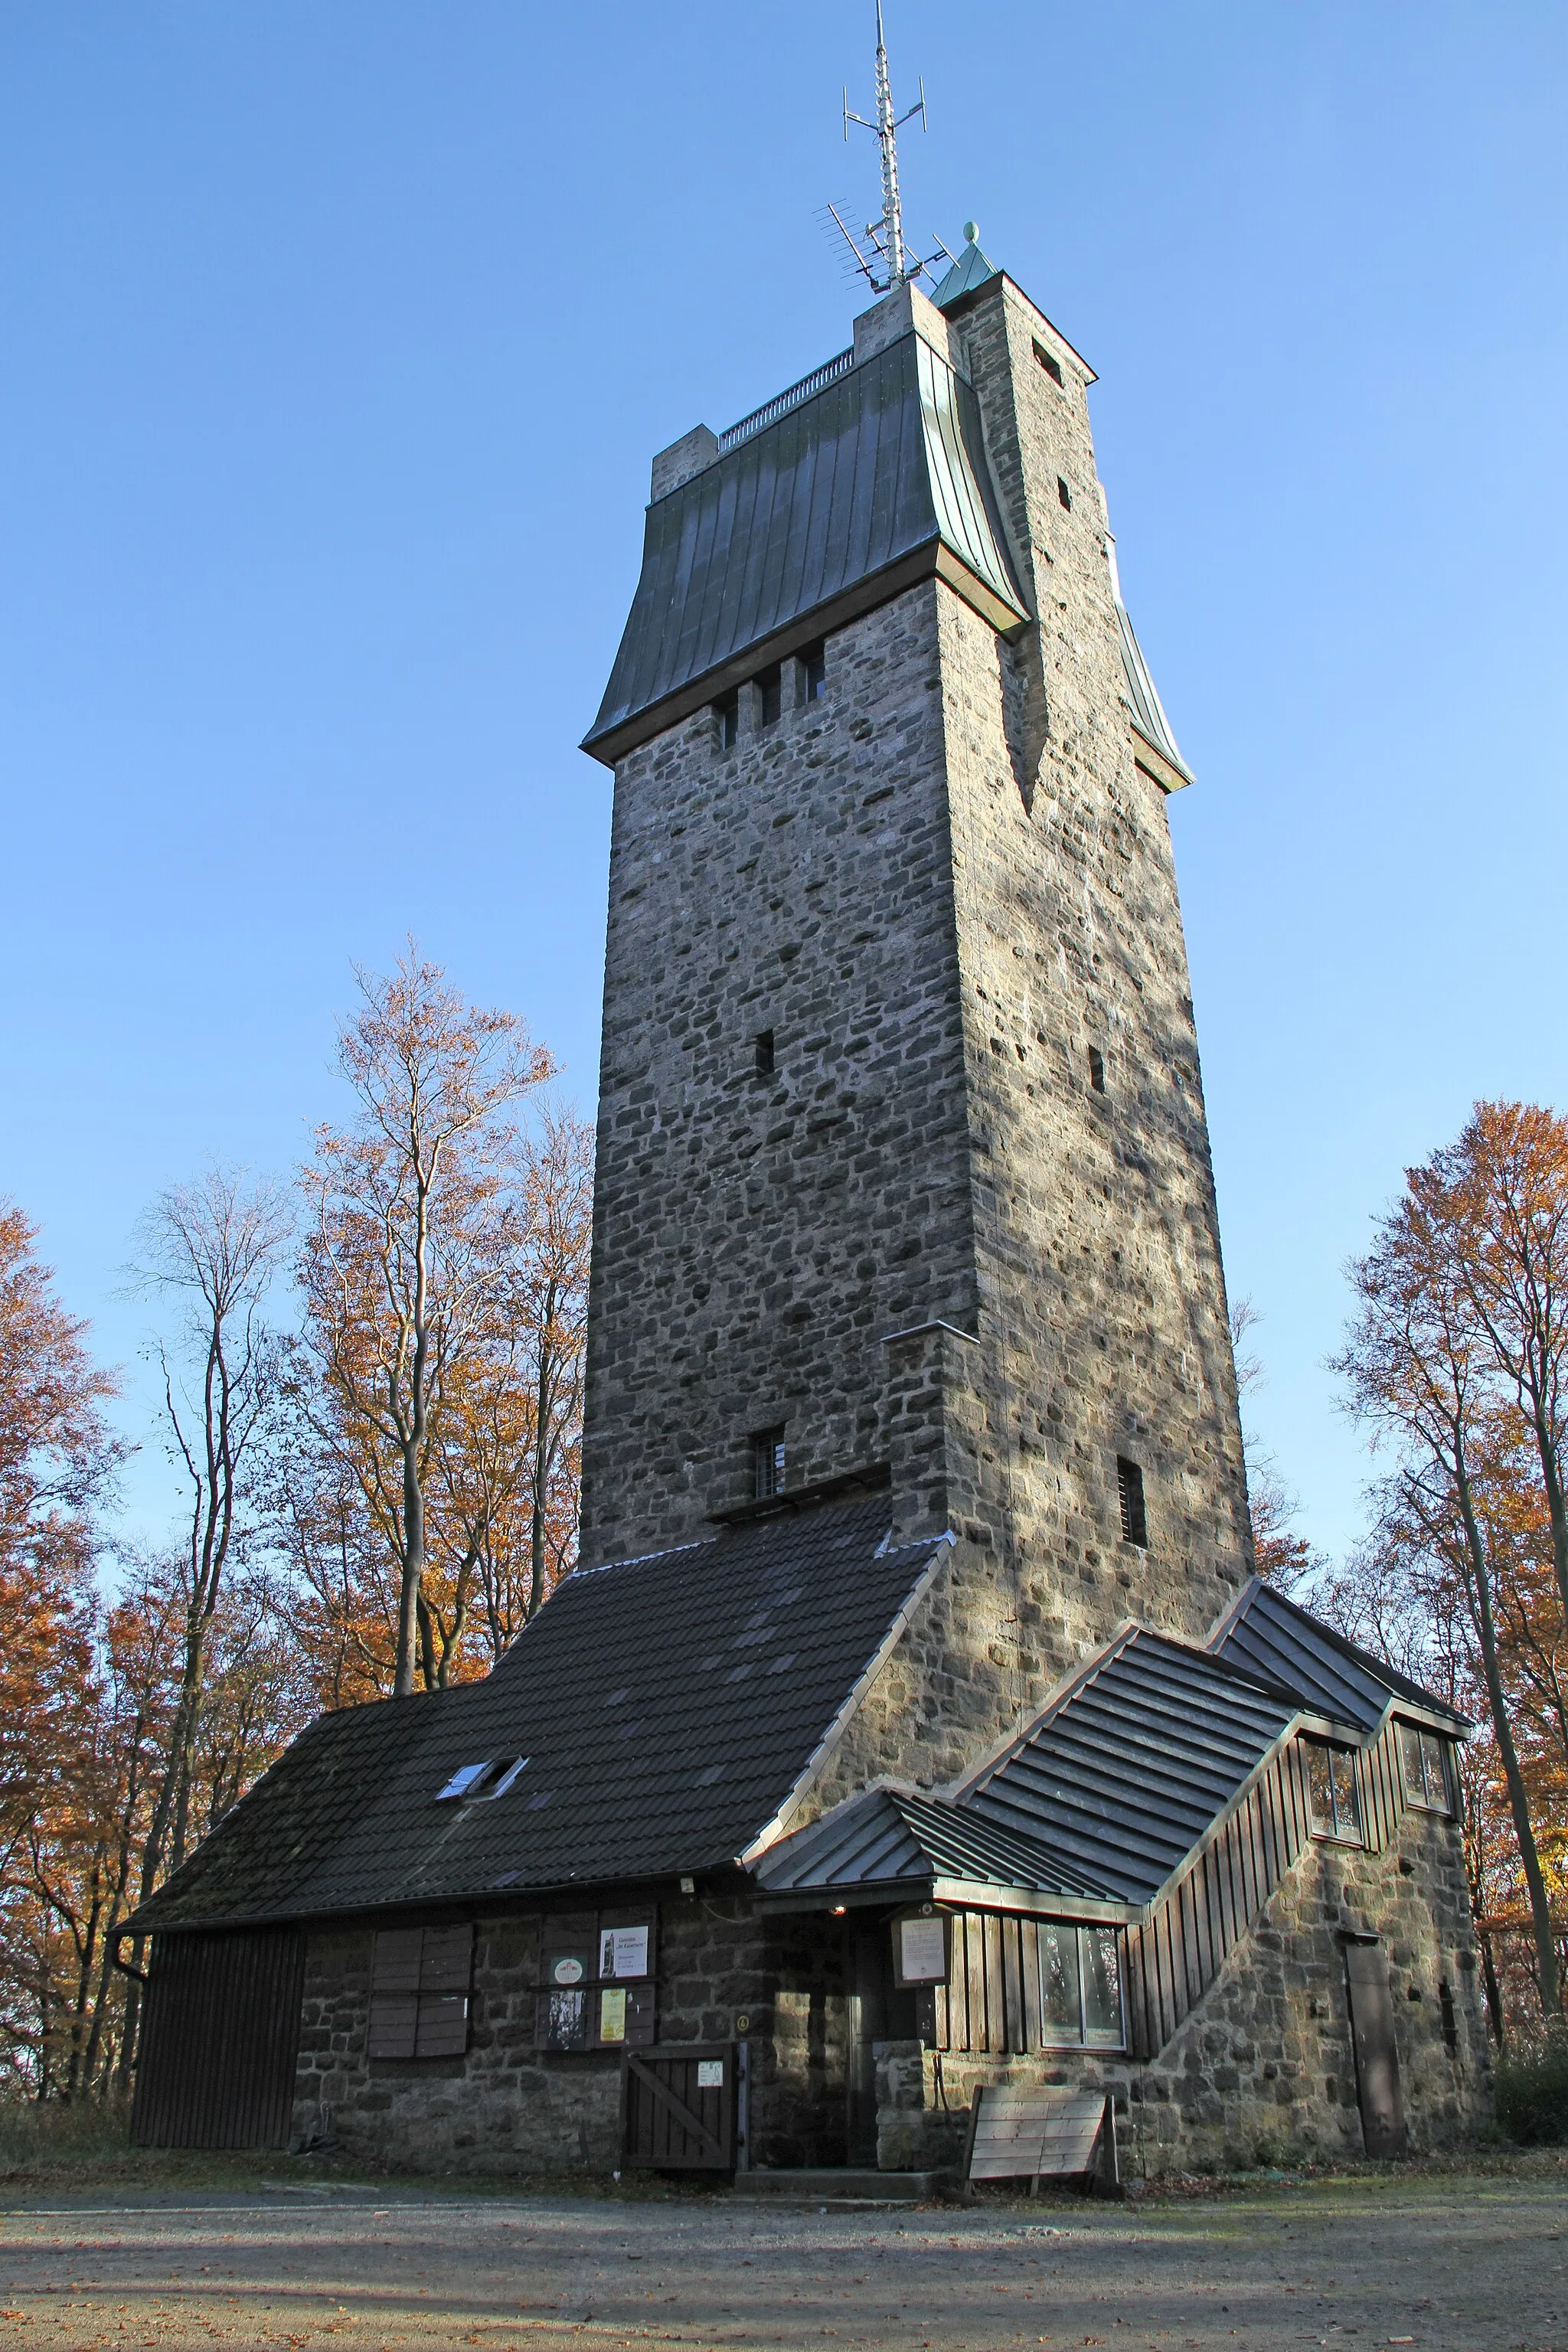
{"x": 337, "y": 343}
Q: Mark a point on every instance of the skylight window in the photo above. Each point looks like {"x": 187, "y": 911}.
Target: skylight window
{"x": 491, "y": 1779}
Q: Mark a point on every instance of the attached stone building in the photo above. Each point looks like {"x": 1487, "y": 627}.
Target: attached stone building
{"x": 914, "y": 1721}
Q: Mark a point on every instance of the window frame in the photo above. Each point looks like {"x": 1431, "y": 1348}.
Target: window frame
{"x": 1079, "y": 1929}
{"x": 421, "y": 1993}
{"x": 1132, "y": 1502}
{"x": 1334, "y": 1834}
{"x": 768, "y": 1460}
{"x": 727, "y": 718}
{"x": 1426, "y": 1738}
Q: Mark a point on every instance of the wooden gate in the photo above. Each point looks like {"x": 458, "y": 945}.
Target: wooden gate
{"x": 1376, "y": 2054}
{"x": 220, "y": 2038}
{"x": 677, "y": 2106}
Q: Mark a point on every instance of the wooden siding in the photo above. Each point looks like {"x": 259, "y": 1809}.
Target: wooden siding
{"x": 219, "y": 2040}
{"x": 991, "y": 2001}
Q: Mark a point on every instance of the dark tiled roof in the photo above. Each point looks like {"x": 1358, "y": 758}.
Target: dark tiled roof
{"x": 1269, "y": 1635}
{"x": 1104, "y": 1799}
{"x": 886, "y": 460}
{"x": 668, "y": 1707}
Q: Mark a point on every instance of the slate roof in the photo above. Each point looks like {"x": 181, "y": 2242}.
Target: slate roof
{"x": 1104, "y": 1799}
{"x": 668, "y": 1707}
{"x": 1269, "y": 1635}
{"x": 848, "y": 494}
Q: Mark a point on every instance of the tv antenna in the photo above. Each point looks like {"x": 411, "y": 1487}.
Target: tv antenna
{"x": 884, "y": 245}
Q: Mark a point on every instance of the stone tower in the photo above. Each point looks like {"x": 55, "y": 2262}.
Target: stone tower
{"x": 904, "y": 1173}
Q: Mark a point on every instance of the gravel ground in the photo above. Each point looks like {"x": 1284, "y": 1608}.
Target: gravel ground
{"x": 1454, "y": 2261}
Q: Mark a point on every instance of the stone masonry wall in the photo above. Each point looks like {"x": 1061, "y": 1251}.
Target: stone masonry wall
{"x": 1263, "y": 2071}
{"x": 722, "y": 1972}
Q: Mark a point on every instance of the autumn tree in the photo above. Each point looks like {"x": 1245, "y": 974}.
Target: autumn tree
{"x": 1452, "y": 1362}
{"x": 407, "y": 1274}
{"x": 1281, "y": 1557}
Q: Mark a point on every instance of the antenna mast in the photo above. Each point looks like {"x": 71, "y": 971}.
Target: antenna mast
{"x": 886, "y": 238}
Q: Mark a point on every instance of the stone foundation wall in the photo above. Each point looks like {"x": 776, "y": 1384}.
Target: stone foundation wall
{"x": 1263, "y": 2071}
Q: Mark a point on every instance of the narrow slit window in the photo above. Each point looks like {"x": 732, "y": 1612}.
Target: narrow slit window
{"x": 1097, "y": 1069}
{"x": 1064, "y": 494}
{"x": 1050, "y": 361}
{"x": 765, "y": 1064}
{"x": 767, "y": 1463}
{"x": 813, "y": 661}
{"x": 769, "y": 686}
{"x": 727, "y": 717}
{"x": 1130, "y": 1498}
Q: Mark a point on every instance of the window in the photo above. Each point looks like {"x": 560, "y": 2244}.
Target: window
{"x": 727, "y": 715}
{"x": 419, "y": 1992}
{"x": 1080, "y": 1986}
{"x": 769, "y": 686}
{"x": 767, "y": 1463}
{"x": 1423, "y": 1755}
{"x": 1097, "y": 1069}
{"x": 813, "y": 661}
{"x": 1050, "y": 361}
{"x": 1333, "y": 1800}
{"x": 765, "y": 1053}
{"x": 597, "y": 1989}
{"x": 490, "y": 1779}
{"x": 1130, "y": 1497}
{"x": 1063, "y": 494}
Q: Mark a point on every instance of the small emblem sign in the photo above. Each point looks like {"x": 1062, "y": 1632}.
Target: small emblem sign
{"x": 567, "y": 1970}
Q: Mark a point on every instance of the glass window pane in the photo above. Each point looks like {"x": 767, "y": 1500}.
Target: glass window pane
{"x": 1101, "y": 1986}
{"x": 1436, "y": 1777}
{"x": 1061, "y": 2018}
{"x": 1347, "y": 1809}
{"x": 1319, "y": 1789}
{"x": 1410, "y": 1757}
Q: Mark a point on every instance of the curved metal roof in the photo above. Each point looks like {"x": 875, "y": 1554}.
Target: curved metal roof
{"x": 835, "y": 499}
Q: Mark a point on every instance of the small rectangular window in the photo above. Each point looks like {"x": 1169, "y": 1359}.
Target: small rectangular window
{"x": 813, "y": 661}
{"x": 1080, "y": 1986}
{"x": 1064, "y": 495}
{"x": 1097, "y": 1069}
{"x": 1423, "y": 1755}
{"x": 769, "y": 686}
{"x": 1333, "y": 1795}
{"x": 1130, "y": 1498}
{"x": 765, "y": 1053}
{"x": 1050, "y": 361}
{"x": 727, "y": 716}
{"x": 767, "y": 1463}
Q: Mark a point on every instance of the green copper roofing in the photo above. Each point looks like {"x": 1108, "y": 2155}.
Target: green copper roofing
{"x": 874, "y": 480}
{"x": 971, "y": 268}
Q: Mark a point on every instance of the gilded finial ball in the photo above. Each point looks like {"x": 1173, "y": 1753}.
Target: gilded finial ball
{"x": 972, "y": 232}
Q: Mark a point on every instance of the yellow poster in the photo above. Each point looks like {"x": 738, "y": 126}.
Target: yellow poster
{"x": 613, "y": 2014}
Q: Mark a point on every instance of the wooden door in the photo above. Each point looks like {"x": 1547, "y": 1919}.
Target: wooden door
{"x": 677, "y": 2106}
{"x": 1376, "y": 2056}
{"x": 220, "y": 2036}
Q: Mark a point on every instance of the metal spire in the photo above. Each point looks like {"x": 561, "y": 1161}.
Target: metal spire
{"x": 886, "y": 237}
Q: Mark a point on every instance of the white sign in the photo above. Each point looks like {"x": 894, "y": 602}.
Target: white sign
{"x": 709, "y": 2074}
{"x": 922, "y": 1951}
{"x": 622, "y": 1952}
{"x": 567, "y": 1972}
